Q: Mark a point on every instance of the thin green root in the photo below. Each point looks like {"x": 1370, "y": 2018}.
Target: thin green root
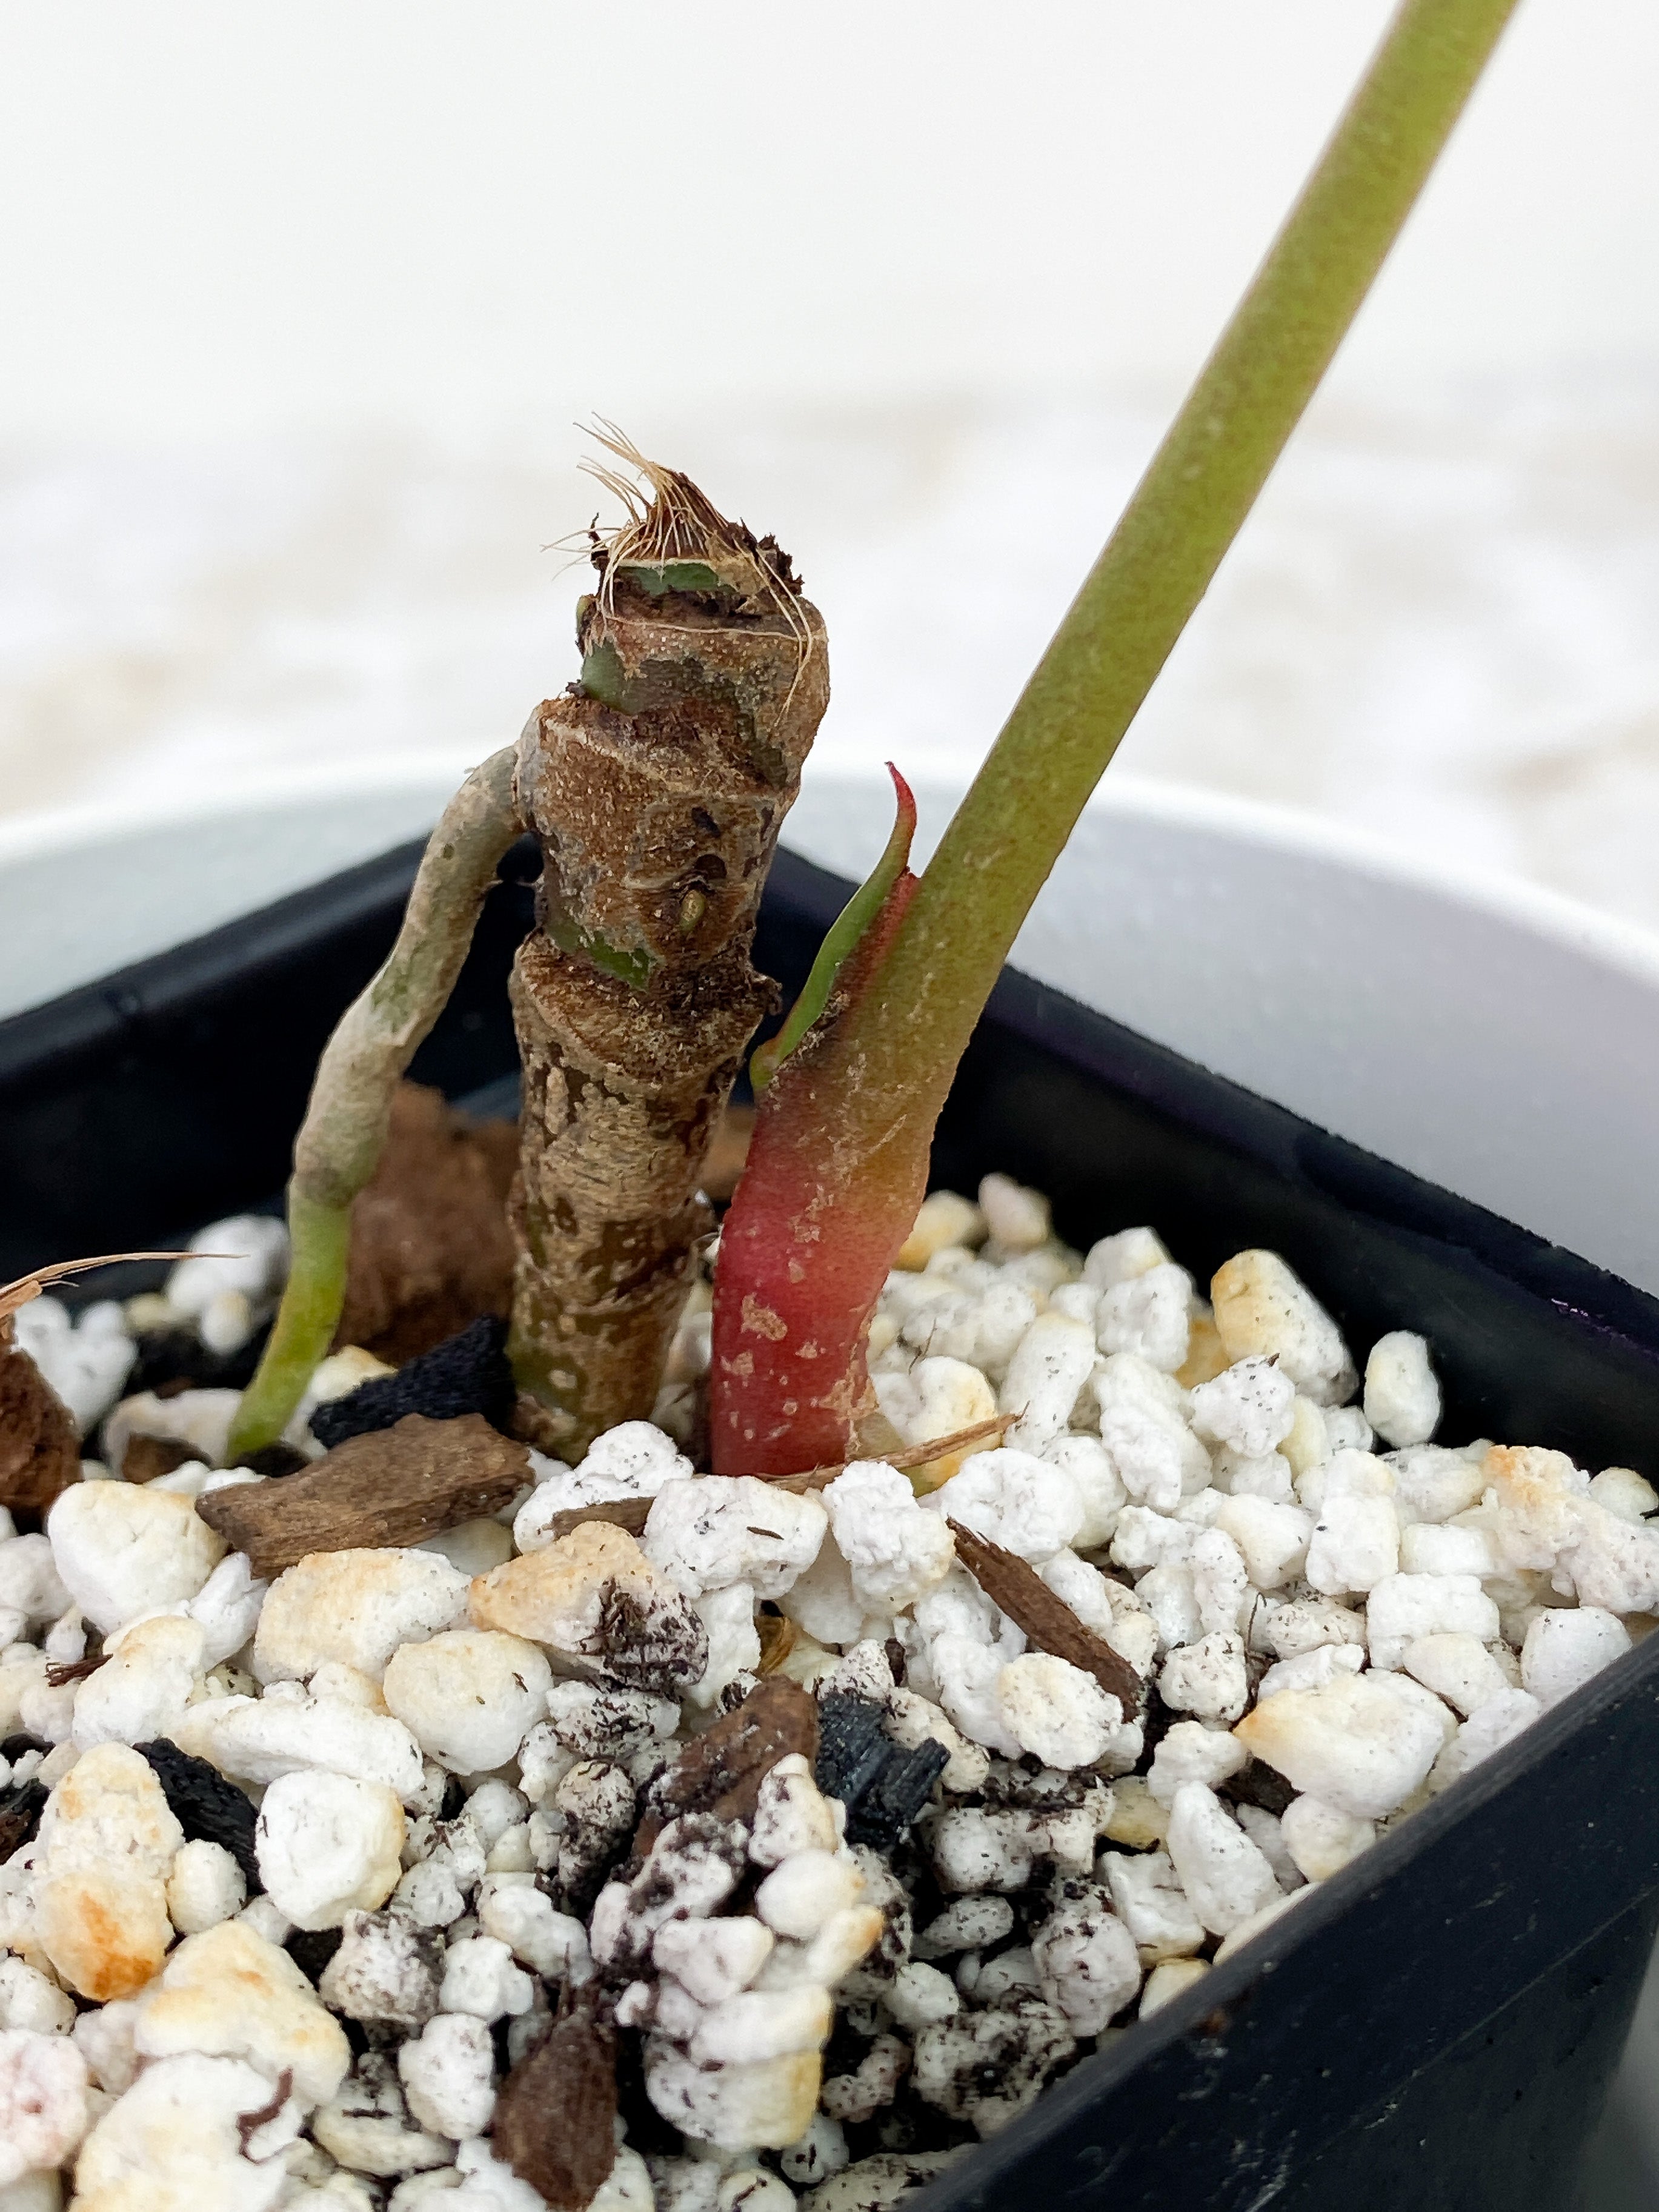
{"x": 350, "y": 1112}
{"x": 311, "y": 1307}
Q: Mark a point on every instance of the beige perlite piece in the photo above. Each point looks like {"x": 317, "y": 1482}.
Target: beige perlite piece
{"x": 533, "y": 1770}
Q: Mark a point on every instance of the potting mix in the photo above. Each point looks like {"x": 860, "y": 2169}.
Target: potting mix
{"x": 413, "y": 1818}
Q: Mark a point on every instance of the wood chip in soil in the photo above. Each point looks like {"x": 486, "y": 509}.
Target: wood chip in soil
{"x": 393, "y": 1485}
{"x": 39, "y": 1444}
{"x": 721, "y": 1771}
{"x": 555, "y": 2114}
{"x": 1014, "y": 1585}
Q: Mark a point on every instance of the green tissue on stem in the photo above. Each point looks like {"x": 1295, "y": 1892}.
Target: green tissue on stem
{"x": 841, "y": 940}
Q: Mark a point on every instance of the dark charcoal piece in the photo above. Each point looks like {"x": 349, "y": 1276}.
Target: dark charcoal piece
{"x": 1264, "y": 1786}
{"x": 648, "y": 2133}
{"x": 310, "y": 1949}
{"x": 21, "y": 1807}
{"x": 897, "y": 1795}
{"x": 176, "y": 1358}
{"x": 206, "y": 1806}
{"x": 276, "y": 1458}
{"x": 853, "y": 1746}
{"x": 466, "y": 1374}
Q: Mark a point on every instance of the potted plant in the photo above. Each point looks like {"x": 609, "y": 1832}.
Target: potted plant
{"x": 849, "y": 1095}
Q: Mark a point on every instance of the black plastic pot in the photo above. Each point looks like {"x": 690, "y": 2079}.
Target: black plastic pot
{"x": 1437, "y": 2027}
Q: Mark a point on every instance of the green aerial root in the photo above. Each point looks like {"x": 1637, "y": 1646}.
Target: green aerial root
{"x": 342, "y": 1137}
{"x": 305, "y": 1324}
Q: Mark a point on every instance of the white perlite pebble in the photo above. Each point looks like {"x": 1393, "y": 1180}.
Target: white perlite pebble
{"x": 1312, "y": 1669}
{"x": 1402, "y": 1397}
{"x": 366, "y": 2124}
{"x": 1189, "y": 1752}
{"x": 1272, "y": 1537}
{"x": 1226, "y": 1877}
{"x": 1010, "y": 1498}
{"x": 174, "y": 2141}
{"x": 1425, "y": 1549}
{"x": 259, "y": 1740}
{"x": 712, "y": 1958}
{"x": 1148, "y": 1895}
{"x": 1321, "y": 1838}
{"x": 469, "y": 1696}
{"x": 1056, "y": 1712}
{"x": 894, "y": 1550}
{"x": 798, "y": 1898}
{"x": 550, "y": 1943}
{"x": 1170, "y": 1979}
{"x": 1354, "y": 1545}
{"x": 141, "y": 1691}
{"x": 481, "y": 1978}
{"x": 1304, "y": 1625}
{"x": 1565, "y": 1645}
{"x": 1052, "y": 1362}
{"x": 385, "y": 1973}
{"x": 1248, "y": 1407}
{"x": 85, "y": 1361}
{"x": 1402, "y": 1607}
{"x": 634, "y": 1460}
{"x": 29, "y": 1581}
{"x": 1086, "y": 1962}
{"x": 711, "y": 1534}
{"x": 791, "y": 1814}
{"x": 1457, "y": 1667}
{"x": 121, "y": 1549}
{"x": 28, "y": 1999}
{"x": 43, "y": 2100}
{"x": 1149, "y": 1315}
{"x": 355, "y": 1607}
{"x": 1621, "y": 1490}
{"x": 1119, "y": 1259}
{"x": 1017, "y": 1218}
{"x": 328, "y": 1845}
{"x": 1093, "y": 1469}
{"x": 945, "y": 1218}
{"x": 919, "y": 1995}
{"x": 204, "y": 1887}
{"x": 230, "y": 1993}
{"x": 1356, "y": 1743}
{"x": 1263, "y": 1309}
{"x": 759, "y": 2107}
{"x": 757, "y": 2024}
{"x": 913, "y": 1721}
{"x": 1206, "y": 1679}
{"x": 969, "y": 1924}
{"x": 252, "y": 1262}
{"x": 1485, "y": 1731}
{"x": 821, "y": 2152}
{"x": 448, "y": 2074}
{"x": 1158, "y": 1458}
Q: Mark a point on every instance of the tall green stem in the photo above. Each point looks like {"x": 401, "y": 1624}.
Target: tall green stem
{"x": 1137, "y": 600}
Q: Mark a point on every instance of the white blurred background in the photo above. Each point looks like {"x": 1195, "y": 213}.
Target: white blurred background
{"x": 300, "y": 306}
